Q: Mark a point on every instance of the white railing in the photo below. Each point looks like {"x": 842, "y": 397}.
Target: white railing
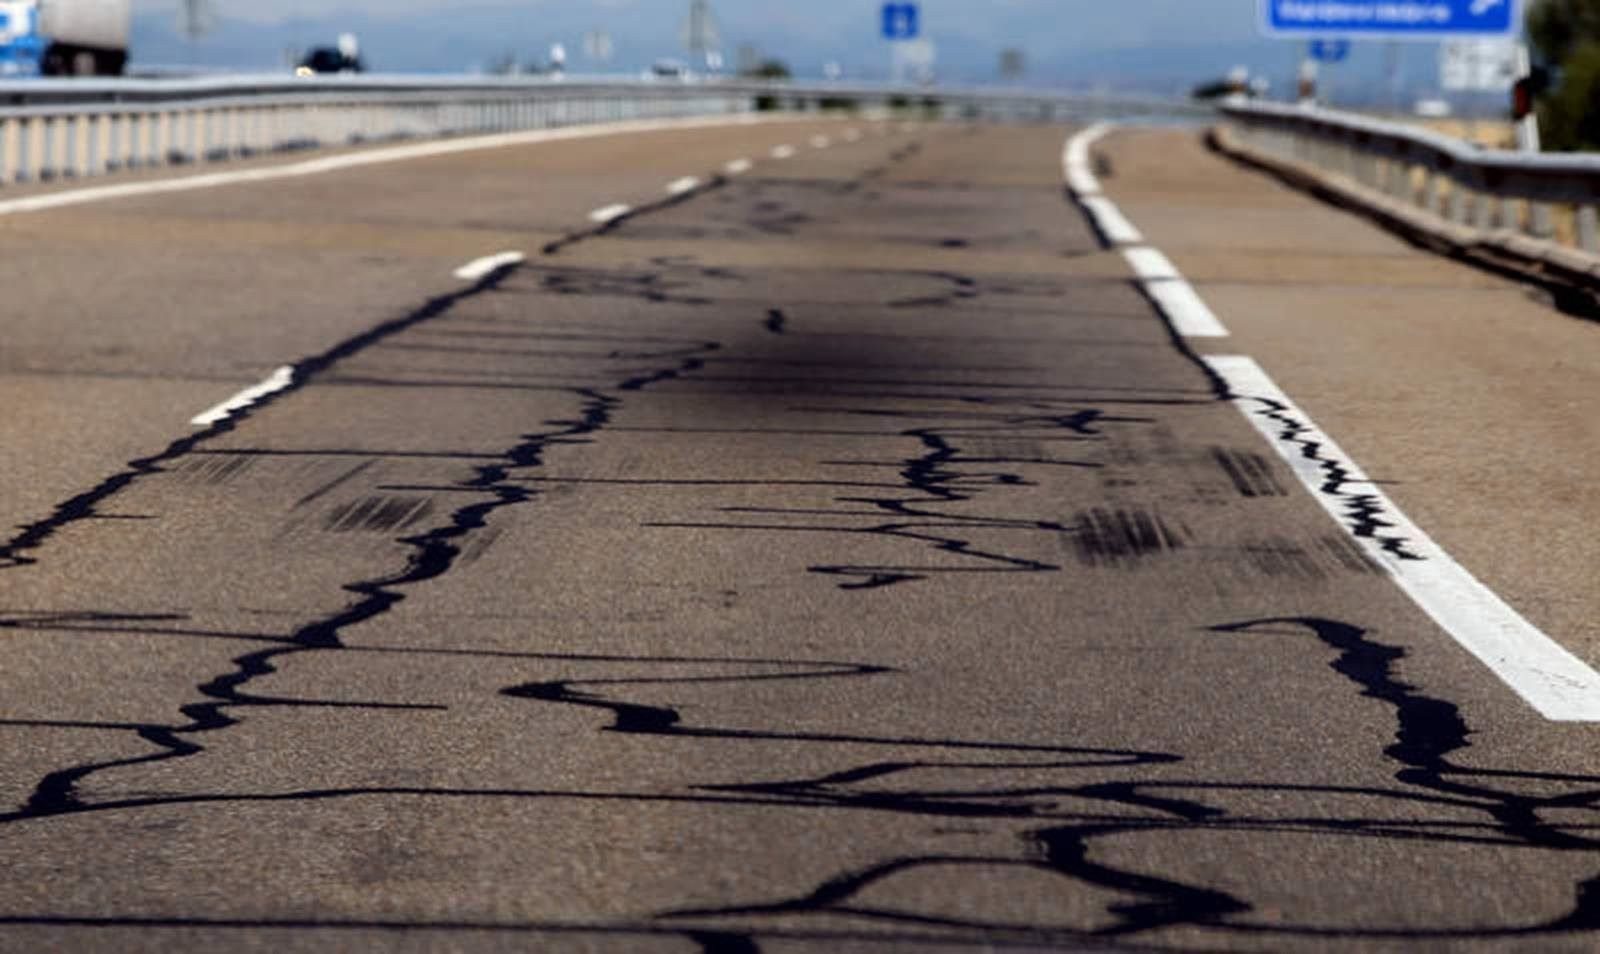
{"x": 54, "y": 129}
{"x": 1551, "y": 197}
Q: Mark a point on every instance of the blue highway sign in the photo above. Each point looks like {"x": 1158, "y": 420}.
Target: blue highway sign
{"x": 1395, "y": 19}
{"x": 900, "y": 21}
{"x": 1330, "y": 51}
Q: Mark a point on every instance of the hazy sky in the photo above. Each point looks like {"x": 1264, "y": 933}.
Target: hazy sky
{"x": 1137, "y": 16}
{"x": 1158, "y": 44}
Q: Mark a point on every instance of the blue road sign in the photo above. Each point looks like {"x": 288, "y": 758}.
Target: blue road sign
{"x": 1330, "y": 51}
{"x": 900, "y": 21}
{"x": 1394, "y": 19}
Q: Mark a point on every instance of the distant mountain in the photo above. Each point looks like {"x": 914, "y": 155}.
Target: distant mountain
{"x": 1161, "y": 46}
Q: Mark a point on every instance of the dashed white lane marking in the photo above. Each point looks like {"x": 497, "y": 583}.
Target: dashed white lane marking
{"x": 1075, "y": 160}
{"x": 371, "y": 157}
{"x": 738, "y": 167}
{"x": 607, "y": 213}
{"x": 1149, "y": 264}
{"x": 1552, "y": 680}
{"x": 783, "y": 152}
{"x": 280, "y": 379}
{"x": 820, "y": 142}
{"x": 478, "y": 268}
{"x": 680, "y": 186}
{"x": 1112, "y": 223}
{"x": 1177, "y": 299}
{"x": 1184, "y": 307}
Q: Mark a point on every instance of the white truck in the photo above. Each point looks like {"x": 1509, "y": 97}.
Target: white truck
{"x": 64, "y": 37}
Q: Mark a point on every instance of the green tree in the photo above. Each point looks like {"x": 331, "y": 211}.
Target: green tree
{"x": 1565, "y": 35}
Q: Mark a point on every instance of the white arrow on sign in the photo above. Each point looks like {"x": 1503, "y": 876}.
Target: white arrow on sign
{"x": 1481, "y": 7}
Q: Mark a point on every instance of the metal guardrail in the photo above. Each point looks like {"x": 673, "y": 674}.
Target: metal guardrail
{"x": 1546, "y": 196}
{"x": 52, "y": 129}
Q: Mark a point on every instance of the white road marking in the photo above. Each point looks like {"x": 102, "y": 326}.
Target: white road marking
{"x": 1111, "y": 222}
{"x": 608, "y": 213}
{"x": 738, "y": 167}
{"x": 1075, "y": 160}
{"x": 1552, "y": 680}
{"x": 680, "y": 186}
{"x": 280, "y": 379}
{"x": 783, "y": 152}
{"x": 371, "y": 157}
{"x": 1150, "y": 265}
{"x": 820, "y": 142}
{"x": 852, "y": 135}
{"x": 1177, "y": 299}
{"x": 478, "y": 268}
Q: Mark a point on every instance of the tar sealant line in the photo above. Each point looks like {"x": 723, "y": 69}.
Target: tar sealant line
{"x": 609, "y": 213}
{"x": 681, "y": 186}
{"x": 280, "y": 379}
{"x": 738, "y": 167}
{"x": 1560, "y": 686}
{"x": 369, "y": 157}
{"x": 479, "y": 268}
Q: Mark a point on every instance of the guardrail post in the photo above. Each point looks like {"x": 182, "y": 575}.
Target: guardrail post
{"x": 114, "y": 141}
{"x": 1483, "y": 209}
{"x": 1588, "y": 228}
{"x": 47, "y": 154}
{"x": 1432, "y": 184}
{"x": 71, "y": 164}
{"x": 25, "y": 139}
{"x": 1511, "y": 213}
{"x": 1540, "y": 222}
{"x": 96, "y": 133}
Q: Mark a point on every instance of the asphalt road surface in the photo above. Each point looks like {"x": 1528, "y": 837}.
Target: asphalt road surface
{"x": 838, "y": 554}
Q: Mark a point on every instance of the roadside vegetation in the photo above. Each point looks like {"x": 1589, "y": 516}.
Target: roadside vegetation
{"x": 1565, "y": 37}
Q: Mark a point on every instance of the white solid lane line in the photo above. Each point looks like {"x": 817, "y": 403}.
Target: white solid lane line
{"x": 680, "y": 186}
{"x": 738, "y": 167}
{"x": 1551, "y": 679}
{"x": 783, "y": 152}
{"x": 478, "y": 268}
{"x": 371, "y": 157}
{"x": 608, "y": 213}
{"x": 280, "y": 379}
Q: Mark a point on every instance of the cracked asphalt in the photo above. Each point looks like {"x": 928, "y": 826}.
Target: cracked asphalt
{"x": 842, "y": 556}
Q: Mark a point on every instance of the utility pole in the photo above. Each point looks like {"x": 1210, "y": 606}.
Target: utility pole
{"x": 700, "y": 35}
{"x": 196, "y": 18}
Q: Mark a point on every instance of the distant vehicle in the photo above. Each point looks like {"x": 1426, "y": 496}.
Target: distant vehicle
{"x": 344, "y": 58}
{"x": 669, "y": 69}
{"x": 64, "y": 37}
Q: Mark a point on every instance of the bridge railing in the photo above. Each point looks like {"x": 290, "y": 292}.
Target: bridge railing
{"x": 1552, "y": 197}
{"x": 54, "y": 129}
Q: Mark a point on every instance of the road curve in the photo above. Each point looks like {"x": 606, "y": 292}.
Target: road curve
{"x": 837, "y": 552}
